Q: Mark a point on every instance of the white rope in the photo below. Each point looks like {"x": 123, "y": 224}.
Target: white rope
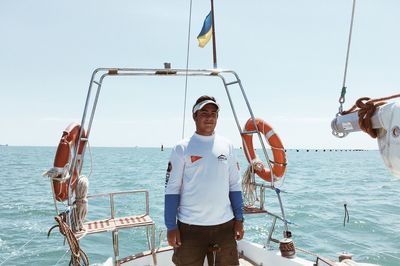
{"x": 248, "y": 183}
{"x": 248, "y": 187}
{"x": 80, "y": 209}
{"x": 60, "y": 174}
{"x": 81, "y": 203}
{"x": 12, "y": 255}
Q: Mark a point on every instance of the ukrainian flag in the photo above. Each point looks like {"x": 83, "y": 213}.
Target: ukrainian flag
{"x": 205, "y": 33}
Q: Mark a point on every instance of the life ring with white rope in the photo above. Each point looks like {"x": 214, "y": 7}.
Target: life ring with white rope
{"x": 65, "y": 151}
{"x": 279, "y": 161}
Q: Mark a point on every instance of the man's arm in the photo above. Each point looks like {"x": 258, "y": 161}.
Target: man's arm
{"x": 235, "y": 195}
{"x": 173, "y": 183}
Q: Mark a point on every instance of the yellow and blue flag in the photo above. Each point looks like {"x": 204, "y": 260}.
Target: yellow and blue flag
{"x": 205, "y": 33}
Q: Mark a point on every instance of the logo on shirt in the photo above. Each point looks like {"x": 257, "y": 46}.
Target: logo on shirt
{"x": 222, "y": 157}
{"x": 169, "y": 169}
{"x": 194, "y": 158}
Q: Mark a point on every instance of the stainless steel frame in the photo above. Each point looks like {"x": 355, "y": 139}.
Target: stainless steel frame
{"x": 99, "y": 74}
{"x": 150, "y": 227}
{"x": 229, "y": 79}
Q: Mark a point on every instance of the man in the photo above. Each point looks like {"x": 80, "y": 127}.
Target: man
{"x": 203, "y": 198}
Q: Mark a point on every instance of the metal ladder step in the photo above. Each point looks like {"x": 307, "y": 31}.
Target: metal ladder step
{"x": 231, "y": 83}
{"x": 250, "y": 132}
{"x": 253, "y": 210}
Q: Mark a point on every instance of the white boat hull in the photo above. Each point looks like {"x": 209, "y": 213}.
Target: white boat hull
{"x": 250, "y": 253}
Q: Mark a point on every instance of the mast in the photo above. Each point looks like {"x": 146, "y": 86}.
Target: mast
{"x": 213, "y": 35}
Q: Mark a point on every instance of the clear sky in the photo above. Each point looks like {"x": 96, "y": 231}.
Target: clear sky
{"x": 289, "y": 55}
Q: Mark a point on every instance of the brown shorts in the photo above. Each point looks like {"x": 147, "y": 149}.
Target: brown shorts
{"x": 198, "y": 242}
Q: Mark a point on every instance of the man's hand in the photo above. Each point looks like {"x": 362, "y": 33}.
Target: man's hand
{"x": 174, "y": 238}
{"x": 239, "y": 230}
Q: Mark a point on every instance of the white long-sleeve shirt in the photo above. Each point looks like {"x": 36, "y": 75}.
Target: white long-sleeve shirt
{"x": 202, "y": 173}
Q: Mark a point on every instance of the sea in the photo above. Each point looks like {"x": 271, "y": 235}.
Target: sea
{"x": 317, "y": 185}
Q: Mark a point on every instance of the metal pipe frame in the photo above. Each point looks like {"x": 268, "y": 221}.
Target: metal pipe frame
{"x": 112, "y": 194}
{"x": 100, "y": 74}
{"x": 95, "y": 86}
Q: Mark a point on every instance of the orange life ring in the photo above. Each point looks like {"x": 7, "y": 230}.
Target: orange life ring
{"x": 279, "y": 162}
{"x": 64, "y": 155}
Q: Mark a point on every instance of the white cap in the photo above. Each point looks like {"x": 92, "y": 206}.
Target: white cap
{"x": 200, "y": 105}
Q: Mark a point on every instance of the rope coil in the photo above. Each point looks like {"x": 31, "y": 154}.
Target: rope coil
{"x": 248, "y": 183}
{"x": 77, "y": 254}
{"x": 80, "y": 209}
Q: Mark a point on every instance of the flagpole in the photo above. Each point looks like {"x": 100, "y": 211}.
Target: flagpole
{"x": 213, "y": 35}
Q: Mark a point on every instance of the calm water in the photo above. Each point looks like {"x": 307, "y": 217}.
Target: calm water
{"x": 317, "y": 185}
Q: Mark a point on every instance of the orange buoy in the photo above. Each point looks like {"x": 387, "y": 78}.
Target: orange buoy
{"x": 68, "y": 143}
{"x": 279, "y": 162}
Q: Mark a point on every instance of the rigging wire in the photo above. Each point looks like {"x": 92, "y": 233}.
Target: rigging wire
{"x": 365, "y": 247}
{"x": 343, "y": 92}
{"x": 21, "y": 247}
{"x": 187, "y": 67}
{"x": 61, "y": 257}
{"x": 91, "y": 159}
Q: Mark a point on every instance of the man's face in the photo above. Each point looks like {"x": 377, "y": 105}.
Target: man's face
{"x": 206, "y": 120}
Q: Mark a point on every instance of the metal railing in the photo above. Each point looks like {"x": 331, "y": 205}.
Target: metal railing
{"x": 149, "y": 224}
{"x": 112, "y": 195}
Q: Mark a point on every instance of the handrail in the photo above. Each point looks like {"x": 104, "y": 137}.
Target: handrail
{"x": 112, "y": 194}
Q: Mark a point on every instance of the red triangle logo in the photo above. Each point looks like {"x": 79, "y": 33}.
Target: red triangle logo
{"x": 195, "y": 158}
